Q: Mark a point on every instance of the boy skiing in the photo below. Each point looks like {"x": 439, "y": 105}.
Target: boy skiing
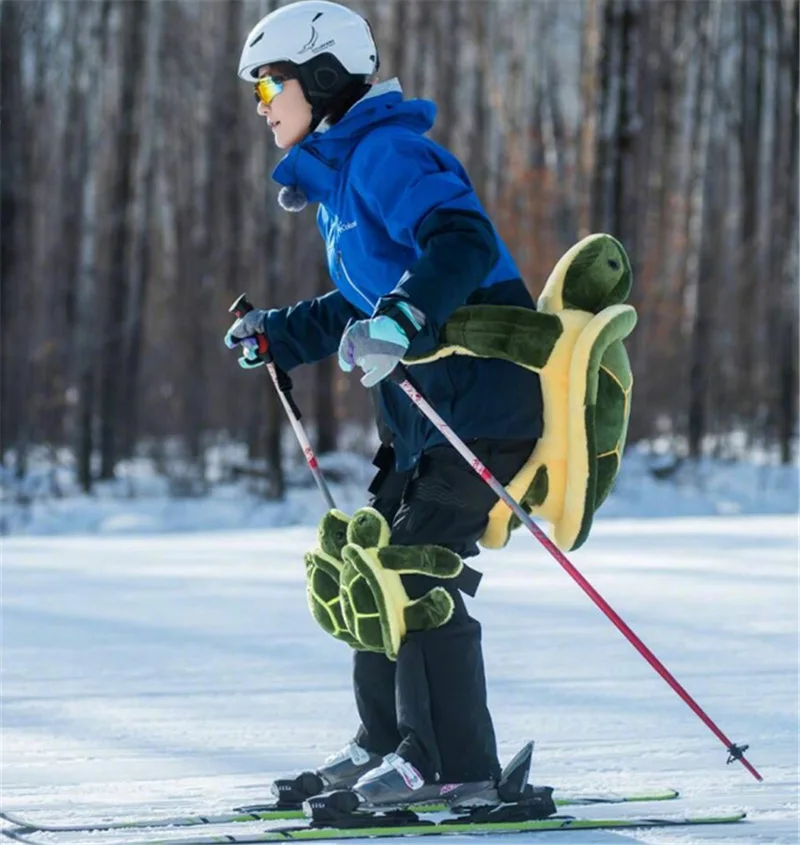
{"x": 407, "y": 243}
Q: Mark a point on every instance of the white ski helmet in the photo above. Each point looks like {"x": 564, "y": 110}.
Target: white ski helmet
{"x": 332, "y": 54}
{"x": 299, "y": 32}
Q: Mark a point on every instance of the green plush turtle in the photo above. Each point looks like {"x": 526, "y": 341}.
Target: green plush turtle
{"x": 323, "y": 571}
{"x": 574, "y": 342}
{"x": 375, "y": 606}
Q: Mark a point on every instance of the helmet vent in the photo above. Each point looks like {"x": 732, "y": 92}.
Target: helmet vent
{"x": 257, "y": 38}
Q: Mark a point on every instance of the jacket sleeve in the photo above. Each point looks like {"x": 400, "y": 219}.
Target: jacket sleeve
{"x": 427, "y": 206}
{"x": 310, "y": 330}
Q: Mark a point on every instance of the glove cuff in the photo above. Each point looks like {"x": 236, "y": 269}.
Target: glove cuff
{"x": 409, "y": 318}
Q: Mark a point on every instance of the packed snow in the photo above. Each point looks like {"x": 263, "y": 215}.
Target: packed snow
{"x": 167, "y": 673}
{"x": 159, "y": 658}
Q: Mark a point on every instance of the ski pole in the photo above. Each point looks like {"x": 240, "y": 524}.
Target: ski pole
{"x": 283, "y": 384}
{"x": 401, "y": 377}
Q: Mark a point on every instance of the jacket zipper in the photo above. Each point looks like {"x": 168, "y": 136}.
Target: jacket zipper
{"x": 352, "y": 284}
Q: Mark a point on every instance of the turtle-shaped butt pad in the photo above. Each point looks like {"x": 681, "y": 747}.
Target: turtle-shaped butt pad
{"x": 574, "y": 342}
{"x": 375, "y": 606}
{"x": 323, "y": 572}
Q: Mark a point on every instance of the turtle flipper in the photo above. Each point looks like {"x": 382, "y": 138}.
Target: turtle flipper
{"x": 433, "y": 610}
{"x": 375, "y": 606}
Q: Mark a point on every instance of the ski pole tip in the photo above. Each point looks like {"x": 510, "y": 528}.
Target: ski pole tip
{"x": 736, "y": 752}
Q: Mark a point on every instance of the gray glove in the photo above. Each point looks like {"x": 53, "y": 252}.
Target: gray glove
{"x": 249, "y": 333}
{"x": 378, "y": 344}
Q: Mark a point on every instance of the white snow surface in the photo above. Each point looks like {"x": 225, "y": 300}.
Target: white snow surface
{"x": 651, "y": 484}
{"x": 167, "y": 673}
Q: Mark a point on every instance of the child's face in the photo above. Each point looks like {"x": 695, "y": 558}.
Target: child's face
{"x": 288, "y": 114}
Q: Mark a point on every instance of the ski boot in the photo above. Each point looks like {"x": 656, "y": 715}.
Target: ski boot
{"x": 395, "y": 785}
{"x": 339, "y": 771}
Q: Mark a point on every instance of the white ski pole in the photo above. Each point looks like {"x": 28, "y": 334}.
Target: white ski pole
{"x": 283, "y": 384}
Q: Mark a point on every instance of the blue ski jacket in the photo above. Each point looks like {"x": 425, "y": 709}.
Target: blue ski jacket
{"x": 401, "y": 221}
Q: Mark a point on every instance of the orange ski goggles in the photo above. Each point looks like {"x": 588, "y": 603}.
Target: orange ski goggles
{"x": 267, "y": 88}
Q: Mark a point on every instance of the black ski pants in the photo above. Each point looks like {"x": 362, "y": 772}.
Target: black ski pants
{"x": 430, "y": 705}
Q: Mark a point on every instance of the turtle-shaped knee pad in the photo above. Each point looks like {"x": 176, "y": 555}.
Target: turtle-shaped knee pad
{"x": 323, "y": 572}
{"x": 574, "y": 343}
{"x": 375, "y": 606}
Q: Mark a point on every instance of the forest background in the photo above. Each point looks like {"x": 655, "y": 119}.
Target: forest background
{"x": 136, "y": 205}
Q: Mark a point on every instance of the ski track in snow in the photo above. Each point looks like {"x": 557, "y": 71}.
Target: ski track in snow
{"x": 166, "y": 674}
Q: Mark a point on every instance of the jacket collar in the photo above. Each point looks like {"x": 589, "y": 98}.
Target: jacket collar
{"x": 377, "y": 90}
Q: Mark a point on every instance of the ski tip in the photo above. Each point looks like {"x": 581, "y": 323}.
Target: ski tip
{"x": 19, "y": 823}
{"x": 666, "y": 795}
{"x": 15, "y": 834}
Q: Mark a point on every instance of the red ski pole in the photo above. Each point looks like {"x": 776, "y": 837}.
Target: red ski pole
{"x": 735, "y": 752}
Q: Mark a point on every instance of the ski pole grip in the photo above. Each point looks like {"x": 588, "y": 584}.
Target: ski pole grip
{"x": 243, "y": 306}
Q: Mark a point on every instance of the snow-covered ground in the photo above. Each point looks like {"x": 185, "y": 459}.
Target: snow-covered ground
{"x": 164, "y": 673}
{"x": 651, "y": 484}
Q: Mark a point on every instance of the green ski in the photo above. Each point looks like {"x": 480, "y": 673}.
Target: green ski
{"x": 266, "y": 812}
{"x": 428, "y": 828}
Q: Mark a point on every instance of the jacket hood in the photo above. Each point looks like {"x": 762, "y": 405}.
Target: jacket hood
{"x": 312, "y": 166}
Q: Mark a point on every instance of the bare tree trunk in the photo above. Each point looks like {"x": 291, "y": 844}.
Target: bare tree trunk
{"x": 272, "y": 433}
{"x": 565, "y": 224}
{"x": 423, "y": 23}
{"x": 143, "y": 213}
{"x": 68, "y": 255}
{"x": 88, "y": 344}
{"x": 278, "y": 242}
{"x": 788, "y": 332}
{"x": 447, "y": 27}
{"x": 787, "y": 353}
{"x": 587, "y": 133}
{"x": 626, "y": 195}
{"x": 477, "y": 159}
{"x": 613, "y": 192}
{"x": 233, "y": 180}
{"x": 648, "y": 282}
{"x": 669, "y": 307}
{"x": 115, "y": 325}
{"x": 655, "y": 356}
{"x": 751, "y": 96}
{"x": 13, "y": 211}
{"x": 606, "y": 151}
{"x": 400, "y": 26}
{"x": 697, "y": 305}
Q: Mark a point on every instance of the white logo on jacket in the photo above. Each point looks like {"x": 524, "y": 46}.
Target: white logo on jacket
{"x": 344, "y": 227}
{"x": 335, "y": 230}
